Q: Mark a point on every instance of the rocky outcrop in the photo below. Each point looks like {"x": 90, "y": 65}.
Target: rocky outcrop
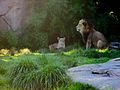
{"x": 13, "y": 14}
{"x": 104, "y": 76}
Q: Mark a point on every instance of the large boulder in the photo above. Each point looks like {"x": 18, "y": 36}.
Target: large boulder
{"x": 103, "y": 76}
{"x": 13, "y": 14}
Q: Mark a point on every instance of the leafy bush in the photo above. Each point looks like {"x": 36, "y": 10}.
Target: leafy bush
{"x": 77, "y": 86}
{"x": 112, "y": 53}
{"x": 8, "y": 39}
{"x": 4, "y": 52}
{"x": 33, "y": 34}
{"x": 21, "y": 67}
{"x": 107, "y": 23}
{"x": 12, "y": 38}
{"x": 34, "y": 40}
{"x": 50, "y": 58}
{"x": 47, "y": 78}
{"x": 2, "y": 70}
{"x": 83, "y": 8}
{"x": 53, "y": 76}
{"x": 37, "y": 74}
{"x": 93, "y": 53}
{"x": 102, "y": 60}
{"x": 70, "y": 62}
{"x": 9, "y": 88}
{"x": 3, "y": 81}
{"x": 28, "y": 81}
{"x": 25, "y": 51}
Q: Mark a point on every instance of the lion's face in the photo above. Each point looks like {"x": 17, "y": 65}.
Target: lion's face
{"x": 61, "y": 42}
{"x": 81, "y": 27}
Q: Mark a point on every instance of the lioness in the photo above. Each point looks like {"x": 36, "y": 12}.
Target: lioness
{"x": 60, "y": 44}
{"x": 94, "y": 37}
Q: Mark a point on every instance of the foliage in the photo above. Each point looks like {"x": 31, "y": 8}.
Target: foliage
{"x": 34, "y": 40}
{"x": 46, "y": 78}
{"x": 102, "y": 60}
{"x": 93, "y": 53}
{"x": 2, "y": 70}
{"x": 8, "y": 39}
{"x": 25, "y": 51}
{"x": 38, "y": 74}
{"x": 33, "y": 35}
{"x": 3, "y": 81}
{"x": 79, "y": 86}
{"x": 53, "y": 76}
{"x": 28, "y": 81}
{"x": 70, "y": 62}
{"x": 83, "y": 8}
{"x": 12, "y": 38}
{"x": 21, "y": 67}
{"x": 4, "y": 52}
{"x": 41, "y": 71}
{"x": 106, "y": 23}
{"x": 103, "y": 22}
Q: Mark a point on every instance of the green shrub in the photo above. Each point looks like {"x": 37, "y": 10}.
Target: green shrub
{"x": 8, "y": 39}
{"x": 77, "y": 86}
{"x": 51, "y": 58}
{"x": 90, "y": 53}
{"x": 21, "y": 67}
{"x": 35, "y": 40}
{"x": 80, "y": 86}
{"x": 3, "y": 81}
{"x": 43, "y": 50}
{"x": 2, "y": 70}
{"x": 44, "y": 60}
{"x": 28, "y": 81}
{"x": 12, "y": 38}
{"x": 47, "y": 78}
{"x": 113, "y": 53}
{"x": 104, "y": 23}
{"x": 53, "y": 76}
{"x": 40, "y": 73}
{"x": 93, "y": 53}
{"x": 70, "y": 62}
{"x": 34, "y": 36}
{"x": 9, "y": 88}
{"x": 102, "y": 60}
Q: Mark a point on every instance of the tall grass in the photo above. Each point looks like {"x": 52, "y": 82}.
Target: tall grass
{"x": 53, "y": 76}
{"x": 39, "y": 74}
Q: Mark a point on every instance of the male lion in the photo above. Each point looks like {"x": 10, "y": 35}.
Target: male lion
{"x": 94, "y": 37}
{"x": 60, "y": 44}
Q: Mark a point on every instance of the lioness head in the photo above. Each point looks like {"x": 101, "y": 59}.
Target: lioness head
{"x": 83, "y": 26}
{"x": 61, "y": 42}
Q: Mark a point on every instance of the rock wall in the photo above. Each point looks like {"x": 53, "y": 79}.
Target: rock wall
{"x": 13, "y": 14}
